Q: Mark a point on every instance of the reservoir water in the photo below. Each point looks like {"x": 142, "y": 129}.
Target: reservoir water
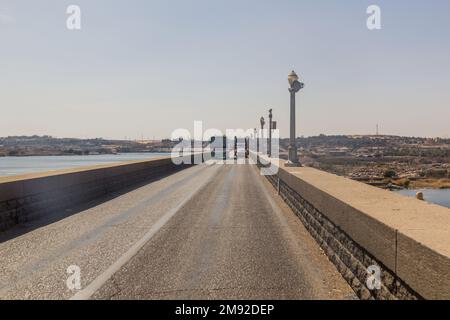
{"x": 10, "y": 166}
{"x": 437, "y": 196}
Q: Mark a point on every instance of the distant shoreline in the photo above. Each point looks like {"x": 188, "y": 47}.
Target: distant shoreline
{"x": 10, "y": 166}
{"x": 399, "y": 184}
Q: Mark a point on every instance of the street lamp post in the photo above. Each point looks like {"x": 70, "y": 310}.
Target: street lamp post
{"x": 235, "y": 147}
{"x": 269, "y": 147}
{"x": 295, "y": 86}
{"x": 262, "y": 128}
{"x": 224, "y": 147}
{"x": 255, "y": 136}
{"x": 247, "y": 148}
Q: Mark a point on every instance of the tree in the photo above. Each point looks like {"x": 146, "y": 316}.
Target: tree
{"x": 389, "y": 173}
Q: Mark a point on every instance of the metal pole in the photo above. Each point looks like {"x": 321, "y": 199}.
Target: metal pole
{"x": 255, "y": 136}
{"x": 262, "y": 129}
{"x": 192, "y": 152}
{"x": 269, "y": 147}
{"x": 293, "y": 157}
{"x": 257, "y": 141}
{"x": 295, "y": 86}
{"x": 235, "y": 148}
{"x": 247, "y": 147}
{"x": 224, "y": 148}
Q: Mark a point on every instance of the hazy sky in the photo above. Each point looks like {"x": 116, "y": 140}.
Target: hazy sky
{"x": 149, "y": 67}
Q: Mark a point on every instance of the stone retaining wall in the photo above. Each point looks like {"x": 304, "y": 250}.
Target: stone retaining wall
{"x": 349, "y": 258}
{"x": 359, "y": 226}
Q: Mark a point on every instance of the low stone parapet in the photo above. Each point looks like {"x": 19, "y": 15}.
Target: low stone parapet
{"x": 363, "y": 229}
{"x": 26, "y": 197}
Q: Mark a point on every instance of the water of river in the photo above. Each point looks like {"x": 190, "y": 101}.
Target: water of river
{"x": 437, "y": 196}
{"x": 10, "y": 166}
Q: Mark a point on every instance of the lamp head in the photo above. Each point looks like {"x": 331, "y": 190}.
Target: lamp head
{"x": 292, "y": 77}
{"x": 297, "y": 86}
{"x": 294, "y": 82}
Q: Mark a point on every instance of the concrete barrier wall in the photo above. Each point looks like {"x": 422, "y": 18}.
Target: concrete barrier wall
{"x": 26, "y": 197}
{"x": 358, "y": 225}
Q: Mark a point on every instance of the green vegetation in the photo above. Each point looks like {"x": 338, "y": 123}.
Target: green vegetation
{"x": 389, "y": 173}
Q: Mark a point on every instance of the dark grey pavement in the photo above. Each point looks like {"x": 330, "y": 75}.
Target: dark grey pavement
{"x": 234, "y": 240}
{"x": 215, "y": 231}
{"x": 34, "y": 265}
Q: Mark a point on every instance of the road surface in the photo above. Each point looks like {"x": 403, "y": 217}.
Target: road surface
{"x": 207, "y": 232}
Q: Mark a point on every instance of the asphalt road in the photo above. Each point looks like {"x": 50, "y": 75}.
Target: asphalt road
{"x": 206, "y": 232}
{"x": 233, "y": 240}
{"x": 34, "y": 265}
